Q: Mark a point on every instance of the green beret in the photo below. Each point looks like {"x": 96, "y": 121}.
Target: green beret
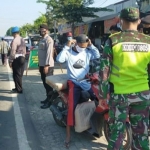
{"x": 130, "y": 14}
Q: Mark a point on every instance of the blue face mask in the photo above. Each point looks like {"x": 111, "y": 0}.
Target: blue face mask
{"x": 69, "y": 38}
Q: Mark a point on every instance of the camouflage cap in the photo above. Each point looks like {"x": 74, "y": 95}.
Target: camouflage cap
{"x": 130, "y": 14}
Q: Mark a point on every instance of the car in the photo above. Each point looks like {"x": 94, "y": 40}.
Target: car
{"x": 8, "y": 39}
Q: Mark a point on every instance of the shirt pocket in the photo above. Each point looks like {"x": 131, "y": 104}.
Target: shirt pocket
{"x": 42, "y": 46}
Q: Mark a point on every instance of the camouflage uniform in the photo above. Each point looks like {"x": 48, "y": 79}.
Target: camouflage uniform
{"x": 125, "y": 101}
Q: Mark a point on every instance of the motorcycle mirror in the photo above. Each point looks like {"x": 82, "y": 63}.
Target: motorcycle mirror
{"x": 77, "y": 66}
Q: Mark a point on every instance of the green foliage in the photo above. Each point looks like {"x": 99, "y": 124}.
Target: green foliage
{"x": 25, "y": 29}
{"x": 8, "y": 32}
{"x": 29, "y": 28}
{"x": 41, "y": 20}
{"x": 71, "y": 10}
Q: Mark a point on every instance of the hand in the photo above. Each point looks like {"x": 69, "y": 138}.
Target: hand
{"x": 10, "y": 65}
{"x": 104, "y": 99}
{"x": 89, "y": 43}
{"x": 70, "y": 42}
{"x": 46, "y": 68}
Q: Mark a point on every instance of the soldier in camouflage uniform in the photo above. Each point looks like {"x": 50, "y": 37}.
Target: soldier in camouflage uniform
{"x": 123, "y": 67}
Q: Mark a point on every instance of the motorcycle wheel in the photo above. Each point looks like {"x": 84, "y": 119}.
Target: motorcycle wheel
{"x": 127, "y": 135}
{"x": 61, "y": 106}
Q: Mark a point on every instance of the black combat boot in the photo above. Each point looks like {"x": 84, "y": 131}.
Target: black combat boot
{"x": 46, "y": 105}
{"x": 44, "y": 101}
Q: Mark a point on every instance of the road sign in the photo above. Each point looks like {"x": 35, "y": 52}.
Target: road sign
{"x": 33, "y": 60}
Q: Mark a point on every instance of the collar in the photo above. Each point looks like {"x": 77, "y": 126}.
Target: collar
{"x": 136, "y": 31}
{"x": 46, "y": 35}
{"x": 74, "y": 50}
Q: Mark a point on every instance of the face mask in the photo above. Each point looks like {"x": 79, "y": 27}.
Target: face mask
{"x": 79, "y": 49}
{"x": 42, "y": 33}
{"x": 69, "y": 38}
{"x": 146, "y": 31}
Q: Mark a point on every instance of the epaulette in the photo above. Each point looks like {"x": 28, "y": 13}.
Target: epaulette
{"x": 115, "y": 34}
{"x": 49, "y": 39}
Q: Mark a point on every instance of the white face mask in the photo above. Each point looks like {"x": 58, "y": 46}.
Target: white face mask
{"x": 79, "y": 49}
{"x": 69, "y": 38}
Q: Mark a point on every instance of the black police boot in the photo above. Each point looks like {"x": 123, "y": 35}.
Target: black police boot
{"x": 44, "y": 101}
{"x": 46, "y": 105}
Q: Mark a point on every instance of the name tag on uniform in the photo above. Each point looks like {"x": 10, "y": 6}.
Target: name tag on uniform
{"x": 18, "y": 55}
{"x": 131, "y": 47}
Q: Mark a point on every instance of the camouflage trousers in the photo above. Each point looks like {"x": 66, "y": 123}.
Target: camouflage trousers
{"x": 136, "y": 107}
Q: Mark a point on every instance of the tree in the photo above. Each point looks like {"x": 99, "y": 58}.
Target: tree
{"x": 72, "y": 11}
{"x": 26, "y": 29}
{"x": 29, "y": 28}
{"x": 8, "y": 32}
{"x": 41, "y": 20}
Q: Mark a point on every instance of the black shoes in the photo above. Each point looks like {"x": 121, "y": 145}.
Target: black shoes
{"x": 46, "y": 105}
{"x": 44, "y": 101}
{"x": 16, "y": 91}
{"x": 47, "y": 102}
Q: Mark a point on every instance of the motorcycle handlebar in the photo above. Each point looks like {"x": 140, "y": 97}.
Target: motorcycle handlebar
{"x": 90, "y": 77}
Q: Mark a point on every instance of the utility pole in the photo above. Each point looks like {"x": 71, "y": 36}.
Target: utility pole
{"x": 55, "y": 36}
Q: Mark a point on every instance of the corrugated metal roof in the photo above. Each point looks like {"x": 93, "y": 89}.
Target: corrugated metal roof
{"x": 103, "y": 18}
{"x": 146, "y": 9}
{"x": 104, "y": 3}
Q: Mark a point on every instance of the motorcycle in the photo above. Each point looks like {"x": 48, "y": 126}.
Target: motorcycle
{"x": 59, "y": 105}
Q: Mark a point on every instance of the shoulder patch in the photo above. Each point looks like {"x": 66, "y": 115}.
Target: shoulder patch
{"x": 49, "y": 39}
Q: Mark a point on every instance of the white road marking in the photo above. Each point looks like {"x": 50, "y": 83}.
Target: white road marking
{"x": 21, "y": 134}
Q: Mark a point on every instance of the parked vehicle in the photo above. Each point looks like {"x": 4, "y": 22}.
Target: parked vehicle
{"x": 8, "y": 39}
{"x": 59, "y": 105}
{"x": 31, "y": 43}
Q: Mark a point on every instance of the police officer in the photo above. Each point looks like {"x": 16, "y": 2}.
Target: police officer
{"x": 46, "y": 61}
{"x": 17, "y": 59}
{"x": 123, "y": 64}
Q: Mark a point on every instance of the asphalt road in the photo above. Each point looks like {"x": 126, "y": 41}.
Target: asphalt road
{"x": 24, "y": 126}
{"x": 17, "y": 131}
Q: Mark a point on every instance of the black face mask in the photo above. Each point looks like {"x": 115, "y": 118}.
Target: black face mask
{"x": 146, "y": 31}
{"x": 42, "y": 33}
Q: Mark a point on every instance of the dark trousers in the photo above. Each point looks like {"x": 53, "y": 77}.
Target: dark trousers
{"x": 18, "y": 69}
{"x": 43, "y": 77}
{"x": 74, "y": 99}
{"x": 4, "y": 59}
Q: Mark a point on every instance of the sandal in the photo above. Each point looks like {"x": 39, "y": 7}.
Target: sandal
{"x": 67, "y": 144}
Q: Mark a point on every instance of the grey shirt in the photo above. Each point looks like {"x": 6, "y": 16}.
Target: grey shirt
{"x": 18, "y": 46}
{"x": 45, "y": 51}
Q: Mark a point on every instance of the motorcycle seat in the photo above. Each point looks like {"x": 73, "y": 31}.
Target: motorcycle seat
{"x": 57, "y": 82}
